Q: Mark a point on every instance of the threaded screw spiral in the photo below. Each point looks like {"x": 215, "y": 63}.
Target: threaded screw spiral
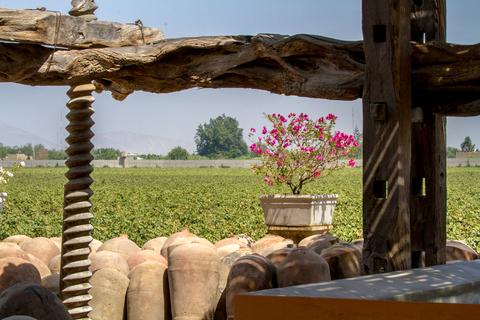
{"x": 77, "y": 230}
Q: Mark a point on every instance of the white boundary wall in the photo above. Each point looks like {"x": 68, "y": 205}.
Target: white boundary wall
{"x": 141, "y": 163}
{"x": 472, "y": 162}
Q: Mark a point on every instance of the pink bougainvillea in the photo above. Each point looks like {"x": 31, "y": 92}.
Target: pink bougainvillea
{"x": 297, "y": 149}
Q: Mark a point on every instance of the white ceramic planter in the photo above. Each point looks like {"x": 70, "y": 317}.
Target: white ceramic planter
{"x": 298, "y": 210}
{"x": 3, "y": 198}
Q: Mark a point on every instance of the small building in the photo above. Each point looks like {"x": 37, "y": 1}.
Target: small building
{"x": 41, "y": 153}
{"x": 125, "y": 158}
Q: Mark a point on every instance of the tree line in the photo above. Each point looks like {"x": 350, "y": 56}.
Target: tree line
{"x": 219, "y": 138}
{"x": 40, "y": 152}
{"x": 37, "y": 151}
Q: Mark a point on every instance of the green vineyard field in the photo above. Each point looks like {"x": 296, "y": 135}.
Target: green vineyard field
{"x": 211, "y": 202}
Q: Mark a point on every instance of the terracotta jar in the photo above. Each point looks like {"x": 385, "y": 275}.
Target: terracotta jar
{"x": 121, "y": 245}
{"x": 14, "y": 270}
{"x": 232, "y": 240}
{"x": 193, "y": 277}
{"x": 458, "y": 250}
{"x": 278, "y": 256}
{"x": 174, "y": 237}
{"x": 147, "y": 294}
{"x": 155, "y": 244}
{"x": 344, "y": 260}
{"x": 18, "y": 239}
{"x": 108, "y": 259}
{"x": 316, "y": 238}
{"x": 249, "y": 273}
{"x": 109, "y": 288}
{"x": 302, "y": 266}
{"x": 144, "y": 256}
{"x": 269, "y": 244}
{"x": 42, "y": 248}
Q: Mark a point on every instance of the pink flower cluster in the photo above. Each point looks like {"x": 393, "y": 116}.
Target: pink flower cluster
{"x": 297, "y": 149}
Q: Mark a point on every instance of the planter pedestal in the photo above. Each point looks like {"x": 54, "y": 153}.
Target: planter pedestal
{"x": 299, "y": 232}
{"x": 298, "y": 216}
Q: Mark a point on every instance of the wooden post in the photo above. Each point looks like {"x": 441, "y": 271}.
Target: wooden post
{"x": 429, "y": 199}
{"x": 387, "y": 136}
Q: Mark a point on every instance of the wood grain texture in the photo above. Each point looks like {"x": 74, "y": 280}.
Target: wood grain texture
{"x": 428, "y": 207}
{"x": 448, "y": 68}
{"x": 387, "y": 138}
{"x": 467, "y": 109}
{"x": 248, "y": 307}
{"x": 302, "y": 65}
{"x": 54, "y": 28}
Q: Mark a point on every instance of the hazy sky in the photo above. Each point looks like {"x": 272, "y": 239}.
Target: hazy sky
{"x": 175, "y": 116}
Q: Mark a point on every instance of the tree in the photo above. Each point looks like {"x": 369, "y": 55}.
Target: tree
{"x": 451, "y": 152}
{"x": 467, "y": 145}
{"x": 106, "y": 153}
{"x": 178, "y": 153}
{"x": 220, "y": 138}
{"x": 25, "y": 149}
{"x": 56, "y": 155}
{"x": 3, "y": 151}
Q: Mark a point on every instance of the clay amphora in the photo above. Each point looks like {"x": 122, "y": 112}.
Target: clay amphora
{"x": 42, "y": 248}
{"x": 109, "y": 289}
{"x": 302, "y": 266}
{"x": 193, "y": 276}
{"x": 155, "y": 244}
{"x": 344, "y": 260}
{"x": 252, "y": 272}
{"x": 108, "y": 259}
{"x": 147, "y": 294}
{"x": 458, "y": 250}
{"x": 121, "y": 245}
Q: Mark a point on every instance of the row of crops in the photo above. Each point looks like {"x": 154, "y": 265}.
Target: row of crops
{"x": 213, "y": 203}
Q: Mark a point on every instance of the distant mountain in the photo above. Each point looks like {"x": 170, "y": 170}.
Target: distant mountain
{"x": 137, "y": 142}
{"x": 122, "y": 140}
{"x": 13, "y": 136}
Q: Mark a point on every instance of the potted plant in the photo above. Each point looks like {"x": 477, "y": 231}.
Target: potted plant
{"x": 296, "y": 150}
{"x": 4, "y": 177}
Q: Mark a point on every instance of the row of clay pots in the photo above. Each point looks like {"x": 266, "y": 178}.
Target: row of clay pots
{"x": 186, "y": 277}
{"x": 285, "y": 265}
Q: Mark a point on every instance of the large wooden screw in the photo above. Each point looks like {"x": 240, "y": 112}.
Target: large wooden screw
{"x": 77, "y": 229}
{"x": 76, "y": 235}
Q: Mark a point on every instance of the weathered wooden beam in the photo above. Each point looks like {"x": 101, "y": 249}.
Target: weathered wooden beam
{"x": 469, "y": 109}
{"x": 301, "y": 65}
{"x": 386, "y": 136}
{"x": 55, "y": 29}
{"x": 446, "y": 68}
{"x": 428, "y": 206}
